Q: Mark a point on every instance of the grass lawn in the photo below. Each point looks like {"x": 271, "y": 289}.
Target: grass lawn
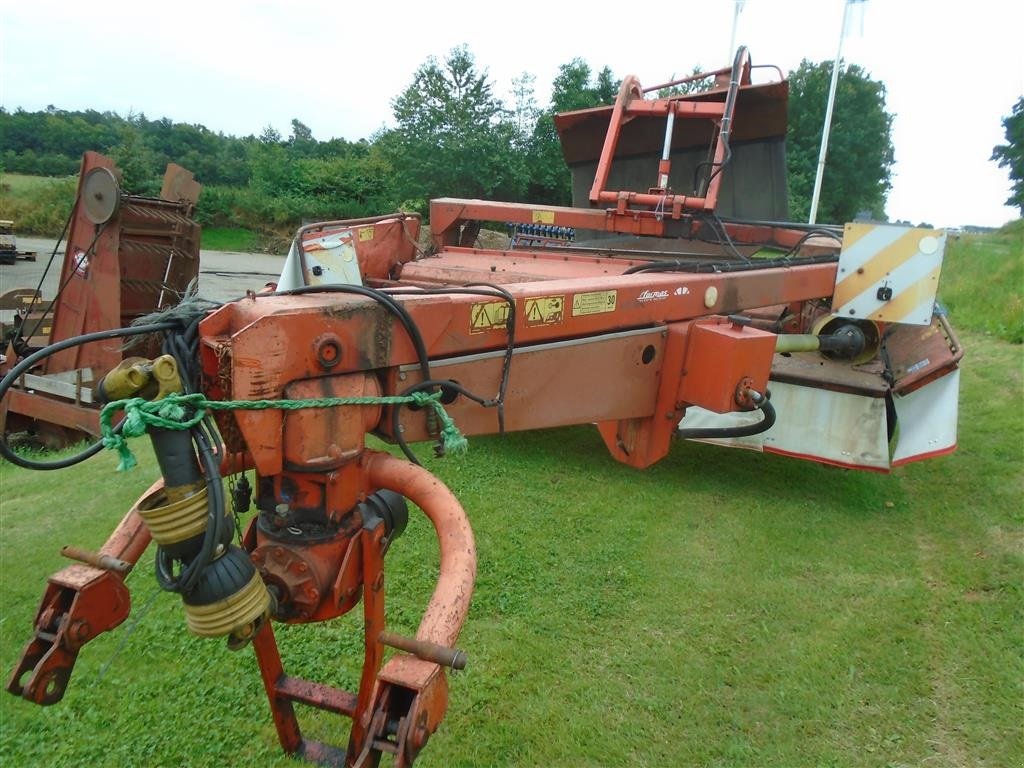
{"x": 723, "y": 608}
{"x": 229, "y": 239}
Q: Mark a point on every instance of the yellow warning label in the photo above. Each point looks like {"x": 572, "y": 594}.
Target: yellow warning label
{"x": 593, "y": 303}
{"x": 488, "y": 315}
{"x": 365, "y": 233}
{"x": 545, "y": 310}
{"x": 543, "y": 217}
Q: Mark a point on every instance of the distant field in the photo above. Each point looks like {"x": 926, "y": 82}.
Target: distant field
{"x": 40, "y": 205}
{"x": 19, "y": 184}
{"x": 982, "y": 282}
{"x": 37, "y": 205}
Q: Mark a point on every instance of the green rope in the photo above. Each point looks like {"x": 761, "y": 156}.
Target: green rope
{"x": 171, "y": 412}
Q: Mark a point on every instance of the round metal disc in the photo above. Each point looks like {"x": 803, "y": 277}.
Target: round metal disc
{"x": 101, "y": 195}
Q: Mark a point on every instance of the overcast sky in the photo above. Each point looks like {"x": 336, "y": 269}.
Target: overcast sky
{"x": 952, "y": 69}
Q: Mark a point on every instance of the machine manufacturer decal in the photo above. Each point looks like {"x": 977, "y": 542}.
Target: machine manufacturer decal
{"x": 488, "y": 315}
{"x": 646, "y": 297}
{"x": 545, "y": 310}
{"x": 594, "y": 303}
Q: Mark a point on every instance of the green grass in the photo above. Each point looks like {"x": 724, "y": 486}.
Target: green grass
{"x": 720, "y": 609}
{"x": 20, "y": 184}
{"x": 229, "y": 239}
{"x": 982, "y": 283}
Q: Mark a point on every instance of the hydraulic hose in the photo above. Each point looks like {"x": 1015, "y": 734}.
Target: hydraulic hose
{"x": 715, "y": 433}
{"x": 26, "y": 365}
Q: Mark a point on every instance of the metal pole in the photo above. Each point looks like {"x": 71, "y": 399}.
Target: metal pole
{"x": 735, "y": 23}
{"x": 828, "y": 115}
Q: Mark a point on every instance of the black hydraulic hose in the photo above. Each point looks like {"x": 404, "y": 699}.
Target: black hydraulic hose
{"x": 706, "y": 433}
{"x": 381, "y": 298}
{"x": 709, "y": 267}
{"x": 429, "y": 384}
{"x": 25, "y": 365}
{"x": 725, "y": 131}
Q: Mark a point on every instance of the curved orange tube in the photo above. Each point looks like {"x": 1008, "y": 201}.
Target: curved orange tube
{"x": 131, "y": 537}
{"x": 446, "y": 612}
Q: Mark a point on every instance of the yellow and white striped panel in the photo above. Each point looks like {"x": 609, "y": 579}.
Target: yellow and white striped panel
{"x": 888, "y": 273}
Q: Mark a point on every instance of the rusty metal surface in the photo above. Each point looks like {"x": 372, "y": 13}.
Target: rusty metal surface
{"x": 29, "y": 406}
{"x": 811, "y": 369}
{"x": 95, "y": 559}
{"x": 80, "y": 602}
{"x": 432, "y": 652}
{"x": 382, "y": 243}
{"x": 100, "y": 291}
{"x": 317, "y": 695}
{"x": 446, "y": 612}
{"x": 919, "y": 354}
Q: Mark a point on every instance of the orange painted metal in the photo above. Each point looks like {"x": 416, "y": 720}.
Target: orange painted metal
{"x": 263, "y": 343}
{"x": 619, "y": 374}
{"x": 449, "y": 215}
{"x": 722, "y": 353}
{"x": 630, "y": 104}
{"x": 592, "y": 340}
{"x": 640, "y": 442}
{"x": 446, "y": 612}
{"x": 382, "y": 243}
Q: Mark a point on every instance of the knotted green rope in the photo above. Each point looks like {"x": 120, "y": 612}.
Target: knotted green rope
{"x": 171, "y": 412}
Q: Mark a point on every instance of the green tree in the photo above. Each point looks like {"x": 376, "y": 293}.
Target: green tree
{"x": 454, "y": 136}
{"x": 139, "y": 165}
{"x": 573, "y": 88}
{"x": 858, "y": 165}
{"x": 689, "y": 86}
{"x": 1011, "y": 154}
{"x": 301, "y": 143}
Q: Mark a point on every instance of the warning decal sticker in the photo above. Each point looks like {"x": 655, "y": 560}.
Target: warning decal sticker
{"x": 545, "y": 310}
{"x": 593, "y": 303}
{"x": 488, "y": 315}
{"x": 365, "y": 233}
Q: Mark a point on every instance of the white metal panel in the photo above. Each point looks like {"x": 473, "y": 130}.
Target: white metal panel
{"x": 927, "y": 419}
{"x": 819, "y": 424}
{"x": 335, "y": 255}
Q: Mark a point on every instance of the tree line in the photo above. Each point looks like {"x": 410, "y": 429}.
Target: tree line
{"x": 452, "y": 136}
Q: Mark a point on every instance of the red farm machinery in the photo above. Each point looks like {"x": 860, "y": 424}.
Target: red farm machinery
{"x": 671, "y": 302}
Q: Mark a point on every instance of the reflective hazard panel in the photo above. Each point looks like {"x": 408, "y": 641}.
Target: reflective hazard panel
{"x": 888, "y": 273}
